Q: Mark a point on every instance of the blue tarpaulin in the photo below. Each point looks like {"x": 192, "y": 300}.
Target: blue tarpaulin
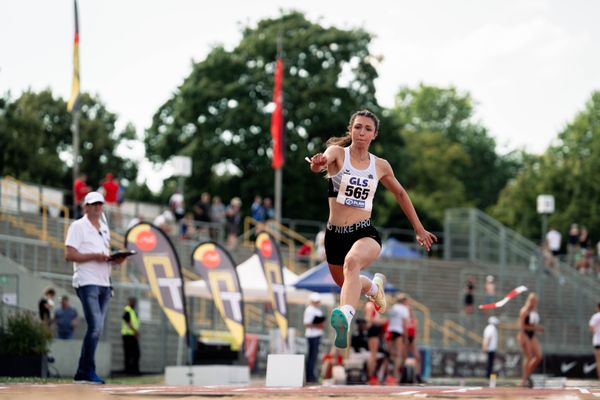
{"x": 318, "y": 279}
{"x": 394, "y": 248}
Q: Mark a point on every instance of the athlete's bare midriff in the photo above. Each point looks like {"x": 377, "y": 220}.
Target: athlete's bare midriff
{"x": 342, "y": 215}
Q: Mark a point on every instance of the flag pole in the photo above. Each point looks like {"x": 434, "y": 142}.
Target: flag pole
{"x": 75, "y": 131}
{"x": 73, "y": 106}
{"x": 278, "y": 196}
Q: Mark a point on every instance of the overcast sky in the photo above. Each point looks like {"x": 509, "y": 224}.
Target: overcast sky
{"x": 530, "y": 65}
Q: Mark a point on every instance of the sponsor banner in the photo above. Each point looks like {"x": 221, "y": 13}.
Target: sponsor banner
{"x": 270, "y": 258}
{"x": 472, "y": 363}
{"x": 214, "y": 264}
{"x": 570, "y": 365}
{"x": 157, "y": 260}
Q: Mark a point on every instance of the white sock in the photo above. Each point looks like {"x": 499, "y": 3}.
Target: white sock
{"x": 374, "y": 289}
{"x": 349, "y": 312}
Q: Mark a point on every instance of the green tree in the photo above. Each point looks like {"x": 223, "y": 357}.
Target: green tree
{"x": 449, "y": 112}
{"x": 34, "y": 130}
{"x": 99, "y": 141}
{"x": 433, "y": 163}
{"x": 220, "y": 114}
{"x": 36, "y": 140}
{"x": 567, "y": 170}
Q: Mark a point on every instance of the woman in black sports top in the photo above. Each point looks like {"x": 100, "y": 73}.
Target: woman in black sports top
{"x": 351, "y": 241}
{"x": 529, "y": 320}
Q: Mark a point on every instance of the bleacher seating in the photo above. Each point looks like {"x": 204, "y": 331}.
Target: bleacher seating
{"x": 437, "y": 284}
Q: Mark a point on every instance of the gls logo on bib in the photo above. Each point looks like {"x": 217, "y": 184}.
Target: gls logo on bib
{"x": 357, "y": 192}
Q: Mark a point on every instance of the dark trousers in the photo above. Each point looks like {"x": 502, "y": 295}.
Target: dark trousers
{"x": 490, "y": 363}
{"x": 131, "y": 351}
{"x": 311, "y": 358}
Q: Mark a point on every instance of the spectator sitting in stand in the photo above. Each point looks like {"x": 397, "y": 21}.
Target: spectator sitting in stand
{"x": 217, "y": 217}
{"x": 165, "y": 221}
{"x": 490, "y": 291}
{"x": 269, "y": 210}
{"x": 202, "y": 212}
{"x": 304, "y": 253}
{"x": 80, "y": 189}
{"x": 469, "y": 299}
{"x": 188, "y": 228}
{"x": 135, "y": 220}
{"x": 45, "y": 306}
{"x": 66, "y": 319}
{"x": 110, "y": 187}
{"x": 257, "y": 212}
{"x": 177, "y": 205}
{"x": 233, "y": 217}
{"x": 572, "y": 244}
{"x": 584, "y": 261}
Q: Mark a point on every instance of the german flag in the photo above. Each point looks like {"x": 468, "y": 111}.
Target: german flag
{"x": 73, "y": 103}
{"x": 277, "y": 117}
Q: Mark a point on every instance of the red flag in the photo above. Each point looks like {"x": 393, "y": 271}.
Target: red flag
{"x": 277, "y": 117}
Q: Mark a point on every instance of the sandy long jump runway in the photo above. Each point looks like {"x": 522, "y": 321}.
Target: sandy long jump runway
{"x": 152, "y": 392}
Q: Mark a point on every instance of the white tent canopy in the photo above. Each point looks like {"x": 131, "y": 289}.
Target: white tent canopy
{"x": 254, "y": 285}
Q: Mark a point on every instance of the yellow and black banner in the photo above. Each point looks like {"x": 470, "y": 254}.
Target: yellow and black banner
{"x": 270, "y": 258}
{"x": 214, "y": 264}
{"x": 157, "y": 260}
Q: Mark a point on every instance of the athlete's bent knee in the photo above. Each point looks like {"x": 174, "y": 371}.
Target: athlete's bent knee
{"x": 351, "y": 265}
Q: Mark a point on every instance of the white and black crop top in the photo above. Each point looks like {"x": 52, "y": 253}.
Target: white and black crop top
{"x": 355, "y": 187}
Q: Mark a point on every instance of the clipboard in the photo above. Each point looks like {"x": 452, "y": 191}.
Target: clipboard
{"x": 121, "y": 253}
{"x": 318, "y": 320}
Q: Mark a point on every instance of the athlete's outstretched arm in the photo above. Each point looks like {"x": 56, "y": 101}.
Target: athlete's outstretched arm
{"x": 321, "y": 161}
{"x": 425, "y": 238}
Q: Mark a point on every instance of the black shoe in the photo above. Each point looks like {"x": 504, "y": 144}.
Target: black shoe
{"x": 80, "y": 378}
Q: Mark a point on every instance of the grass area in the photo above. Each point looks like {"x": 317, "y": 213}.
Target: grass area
{"x": 118, "y": 380}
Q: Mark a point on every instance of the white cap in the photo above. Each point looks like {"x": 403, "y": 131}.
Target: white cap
{"x": 493, "y": 320}
{"x": 93, "y": 197}
{"x": 489, "y": 278}
{"x": 315, "y": 297}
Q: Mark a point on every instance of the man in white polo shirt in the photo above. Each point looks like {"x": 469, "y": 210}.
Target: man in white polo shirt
{"x": 490, "y": 343}
{"x": 313, "y": 324}
{"x": 88, "y": 247}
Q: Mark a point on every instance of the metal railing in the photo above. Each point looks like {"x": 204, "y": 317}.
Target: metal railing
{"x": 474, "y": 236}
{"x": 284, "y": 235}
{"x": 566, "y": 297}
{"x": 13, "y": 195}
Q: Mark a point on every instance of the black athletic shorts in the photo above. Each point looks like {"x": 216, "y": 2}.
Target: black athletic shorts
{"x": 530, "y": 334}
{"x": 395, "y": 335}
{"x": 374, "y": 331}
{"x": 597, "y": 347}
{"x": 339, "y": 239}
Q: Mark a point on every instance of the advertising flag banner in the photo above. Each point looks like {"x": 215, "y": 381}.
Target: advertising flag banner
{"x": 214, "y": 264}
{"x": 270, "y": 258}
{"x": 73, "y": 102}
{"x": 277, "y": 127}
{"x": 157, "y": 260}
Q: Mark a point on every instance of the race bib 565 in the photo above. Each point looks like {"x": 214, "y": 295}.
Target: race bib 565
{"x": 357, "y": 192}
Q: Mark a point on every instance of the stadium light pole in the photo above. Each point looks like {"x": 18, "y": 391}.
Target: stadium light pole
{"x": 545, "y": 207}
